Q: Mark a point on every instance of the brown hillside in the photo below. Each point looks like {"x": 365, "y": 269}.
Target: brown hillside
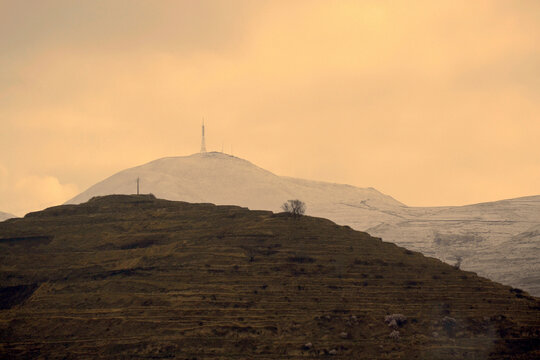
{"x": 137, "y": 277}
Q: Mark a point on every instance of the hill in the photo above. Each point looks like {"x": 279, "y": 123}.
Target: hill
{"x": 134, "y": 276}
{"x": 482, "y": 234}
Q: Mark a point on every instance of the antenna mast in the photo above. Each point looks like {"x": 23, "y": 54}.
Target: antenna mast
{"x": 203, "y": 144}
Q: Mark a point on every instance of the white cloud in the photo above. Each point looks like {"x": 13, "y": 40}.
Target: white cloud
{"x": 30, "y": 193}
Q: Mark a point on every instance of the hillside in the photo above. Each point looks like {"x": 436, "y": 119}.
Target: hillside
{"x": 5, "y": 216}
{"x": 481, "y": 234}
{"x": 137, "y": 277}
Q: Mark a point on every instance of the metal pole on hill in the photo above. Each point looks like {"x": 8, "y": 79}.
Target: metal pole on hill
{"x": 203, "y": 143}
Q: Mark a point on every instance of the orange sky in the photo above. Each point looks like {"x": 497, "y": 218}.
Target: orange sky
{"x": 431, "y": 102}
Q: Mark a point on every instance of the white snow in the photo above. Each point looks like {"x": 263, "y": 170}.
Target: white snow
{"x": 498, "y": 240}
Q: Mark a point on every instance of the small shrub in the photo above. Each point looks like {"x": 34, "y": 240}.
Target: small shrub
{"x": 449, "y": 325}
{"x": 517, "y": 292}
{"x": 459, "y": 259}
{"x": 395, "y": 320}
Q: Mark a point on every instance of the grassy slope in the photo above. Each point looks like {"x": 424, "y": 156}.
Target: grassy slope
{"x": 128, "y": 276}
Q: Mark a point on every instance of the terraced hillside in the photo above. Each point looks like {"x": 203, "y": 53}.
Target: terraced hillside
{"x": 138, "y": 277}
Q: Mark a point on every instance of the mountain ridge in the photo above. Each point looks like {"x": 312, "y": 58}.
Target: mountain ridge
{"x": 234, "y": 173}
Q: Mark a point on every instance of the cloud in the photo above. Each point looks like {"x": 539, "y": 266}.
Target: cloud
{"x": 183, "y": 27}
{"x": 33, "y": 193}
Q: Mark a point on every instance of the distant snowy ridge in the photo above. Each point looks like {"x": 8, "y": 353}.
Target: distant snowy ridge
{"x": 498, "y": 239}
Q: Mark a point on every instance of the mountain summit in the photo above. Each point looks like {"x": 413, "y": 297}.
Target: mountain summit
{"x": 223, "y": 179}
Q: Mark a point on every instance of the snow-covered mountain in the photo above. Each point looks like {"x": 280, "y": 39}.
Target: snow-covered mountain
{"x": 224, "y": 179}
{"x": 5, "y": 216}
{"x": 498, "y": 240}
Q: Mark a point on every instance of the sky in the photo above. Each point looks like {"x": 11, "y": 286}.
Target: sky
{"x": 432, "y": 102}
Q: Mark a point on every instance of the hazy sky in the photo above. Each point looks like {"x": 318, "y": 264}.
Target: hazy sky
{"x": 432, "y": 102}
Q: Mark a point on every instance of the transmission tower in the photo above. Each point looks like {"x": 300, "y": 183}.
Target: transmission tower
{"x": 203, "y": 144}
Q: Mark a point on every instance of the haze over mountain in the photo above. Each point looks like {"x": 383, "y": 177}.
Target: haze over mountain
{"x": 5, "y": 216}
{"x": 498, "y": 240}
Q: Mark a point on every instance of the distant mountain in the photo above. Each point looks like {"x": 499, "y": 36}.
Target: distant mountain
{"x": 5, "y": 216}
{"x": 483, "y": 235}
{"x": 499, "y": 240}
{"x": 122, "y": 277}
{"x": 224, "y": 179}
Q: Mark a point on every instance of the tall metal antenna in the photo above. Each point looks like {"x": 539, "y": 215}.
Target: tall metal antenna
{"x": 137, "y": 186}
{"x": 203, "y": 144}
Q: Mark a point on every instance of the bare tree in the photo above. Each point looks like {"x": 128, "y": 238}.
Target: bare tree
{"x": 459, "y": 259}
{"x": 294, "y": 207}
